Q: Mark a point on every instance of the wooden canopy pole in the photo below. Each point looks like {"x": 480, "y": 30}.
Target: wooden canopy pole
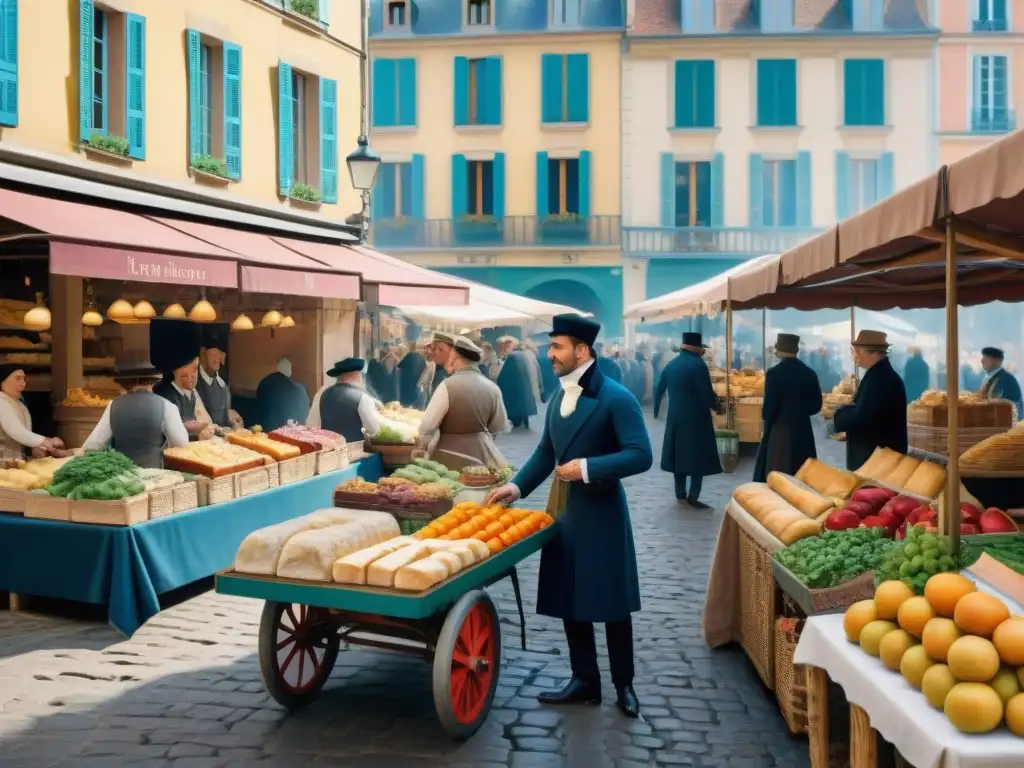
{"x": 853, "y": 336}
{"x": 764, "y": 340}
{"x": 728, "y": 364}
{"x": 950, "y": 522}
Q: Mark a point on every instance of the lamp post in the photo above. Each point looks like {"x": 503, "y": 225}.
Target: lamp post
{"x": 363, "y": 164}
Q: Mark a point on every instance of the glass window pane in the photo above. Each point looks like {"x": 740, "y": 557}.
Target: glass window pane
{"x": 554, "y": 187}
{"x": 488, "y": 191}
{"x": 768, "y": 197}
{"x": 703, "y": 179}
{"x": 682, "y": 194}
{"x": 572, "y": 186}
{"x": 405, "y": 189}
{"x": 472, "y": 201}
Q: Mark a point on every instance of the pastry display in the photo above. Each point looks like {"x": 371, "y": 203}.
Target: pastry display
{"x": 212, "y": 458}
{"x": 43, "y": 360}
{"x": 83, "y": 398}
{"x": 742, "y": 384}
{"x": 308, "y": 439}
{"x": 1001, "y": 453}
{"x": 827, "y": 480}
{"x": 975, "y": 410}
{"x": 19, "y": 343}
{"x": 257, "y": 441}
{"x": 778, "y": 516}
{"x": 801, "y": 496}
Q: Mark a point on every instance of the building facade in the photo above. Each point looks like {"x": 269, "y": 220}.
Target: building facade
{"x": 980, "y": 63}
{"x": 252, "y": 99}
{"x": 498, "y": 123}
{"x": 748, "y": 126}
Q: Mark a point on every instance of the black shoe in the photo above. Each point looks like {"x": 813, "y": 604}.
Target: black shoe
{"x": 627, "y": 701}
{"x": 697, "y": 504}
{"x": 576, "y": 692}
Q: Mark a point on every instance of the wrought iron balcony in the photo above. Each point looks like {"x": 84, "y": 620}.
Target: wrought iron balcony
{"x": 739, "y": 241}
{"x": 998, "y": 120}
{"x": 569, "y": 231}
{"x": 990, "y": 25}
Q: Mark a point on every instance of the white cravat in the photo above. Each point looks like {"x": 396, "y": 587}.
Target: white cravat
{"x": 571, "y": 389}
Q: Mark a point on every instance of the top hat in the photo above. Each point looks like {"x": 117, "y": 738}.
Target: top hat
{"x": 215, "y": 336}
{"x": 576, "y": 326}
{"x": 348, "y": 365}
{"x": 173, "y": 343}
{"x": 693, "y": 339}
{"x": 872, "y": 340}
{"x": 788, "y": 343}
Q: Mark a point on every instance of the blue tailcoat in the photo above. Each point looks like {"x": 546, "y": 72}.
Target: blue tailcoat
{"x": 588, "y": 571}
{"x": 690, "y": 447}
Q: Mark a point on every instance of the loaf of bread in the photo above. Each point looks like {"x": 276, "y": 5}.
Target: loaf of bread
{"x": 901, "y": 475}
{"x": 827, "y": 480}
{"x": 470, "y": 550}
{"x": 259, "y": 442}
{"x": 421, "y": 574}
{"x": 808, "y": 501}
{"x": 450, "y": 559}
{"x": 311, "y": 555}
{"x": 928, "y": 480}
{"x": 781, "y": 517}
{"x": 381, "y": 573}
{"x": 351, "y": 569}
{"x": 260, "y": 551}
{"x": 801, "y": 529}
{"x": 879, "y": 464}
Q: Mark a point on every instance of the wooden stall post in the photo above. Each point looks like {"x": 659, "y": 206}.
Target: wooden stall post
{"x": 853, "y": 335}
{"x": 764, "y": 340}
{"x": 817, "y": 716}
{"x": 949, "y": 523}
{"x": 66, "y": 330}
{"x": 729, "y": 419}
{"x": 863, "y": 740}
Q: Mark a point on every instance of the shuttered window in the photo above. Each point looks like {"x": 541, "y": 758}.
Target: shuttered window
{"x": 565, "y": 88}
{"x": 776, "y": 92}
{"x": 394, "y": 93}
{"x": 864, "y": 92}
{"x": 8, "y": 62}
{"x": 695, "y": 94}
{"x": 478, "y": 91}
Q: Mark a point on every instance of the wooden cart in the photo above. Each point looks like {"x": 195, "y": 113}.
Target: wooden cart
{"x": 453, "y": 626}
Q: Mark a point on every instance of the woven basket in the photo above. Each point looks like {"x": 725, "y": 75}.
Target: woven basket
{"x": 46, "y": 507}
{"x": 827, "y": 600}
{"x": 305, "y": 466}
{"x": 392, "y": 455}
{"x": 250, "y": 482}
{"x": 12, "y": 500}
{"x": 758, "y": 607}
{"x": 161, "y": 503}
{"x": 216, "y": 490}
{"x": 936, "y": 439}
{"x": 328, "y": 461}
{"x": 288, "y": 471}
{"x": 186, "y": 496}
{"x": 790, "y": 678}
{"x": 134, "y": 509}
{"x": 273, "y": 475}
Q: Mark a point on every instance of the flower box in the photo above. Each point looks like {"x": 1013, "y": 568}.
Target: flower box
{"x": 209, "y": 179}
{"x": 564, "y": 231}
{"x": 477, "y": 232}
{"x": 101, "y": 155}
{"x": 305, "y": 205}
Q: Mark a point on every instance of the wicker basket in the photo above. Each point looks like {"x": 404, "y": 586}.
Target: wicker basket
{"x": 46, "y": 507}
{"x": 251, "y": 481}
{"x": 392, "y": 455}
{"x": 134, "y": 509}
{"x": 186, "y": 496}
{"x": 12, "y": 500}
{"x": 216, "y": 490}
{"x": 306, "y": 466}
{"x": 758, "y": 607}
{"x": 328, "y": 461}
{"x": 998, "y": 414}
{"x": 273, "y": 475}
{"x": 828, "y": 600}
{"x": 288, "y": 471}
{"x": 161, "y": 503}
{"x": 790, "y": 678}
{"x": 356, "y": 449}
{"x": 936, "y": 439}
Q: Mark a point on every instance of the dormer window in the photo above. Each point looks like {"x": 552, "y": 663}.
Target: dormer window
{"x": 565, "y": 13}
{"x": 478, "y": 13}
{"x": 397, "y": 13}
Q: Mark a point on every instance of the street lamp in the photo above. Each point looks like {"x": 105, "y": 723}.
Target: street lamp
{"x": 363, "y": 164}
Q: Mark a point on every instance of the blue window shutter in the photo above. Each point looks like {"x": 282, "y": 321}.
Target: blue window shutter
{"x": 492, "y": 91}
{"x": 9, "y": 63}
{"x": 803, "y": 189}
{"x": 885, "y": 175}
{"x": 135, "y": 85}
{"x": 404, "y": 203}
{"x": 192, "y": 45}
{"x": 852, "y": 89}
{"x": 584, "y": 183}
{"x": 384, "y": 192}
{"x": 718, "y": 190}
{"x": 384, "y": 98}
{"x": 788, "y": 92}
{"x": 542, "y": 184}
{"x": 460, "y": 199}
{"x": 577, "y": 67}
{"x": 233, "y": 110}
{"x": 551, "y": 65}
{"x": 418, "y": 181}
{"x": 328, "y": 140}
{"x": 324, "y": 12}
{"x": 498, "y": 182}
{"x": 705, "y": 79}
{"x": 756, "y": 191}
{"x": 766, "y": 96}
{"x": 85, "y": 32}
{"x": 668, "y": 189}
{"x": 999, "y": 84}
{"x": 285, "y": 160}
{"x": 842, "y": 185}
{"x": 406, "y": 92}
{"x": 686, "y": 114}
{"x": 461, "y": 90}
{"x": 875, "y": 91}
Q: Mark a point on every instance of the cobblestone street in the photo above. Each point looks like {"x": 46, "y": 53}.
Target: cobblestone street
{"x": 186, "y": 690}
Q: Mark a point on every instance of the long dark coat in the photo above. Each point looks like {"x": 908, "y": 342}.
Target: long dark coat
{"x": 792, "y": 395}
{"x": 588, "y": 571}
{"x": 1003, "y": 385}
{"x": 516, "y": 390}
{"x": 409, "y": 371}
{"x": 690, "y": 447}
{"x": 548, "y": 378}
{"x": 281, "y": 399}
{"x": 915, "y": 377}
{"x": 610, "y": 368}
{"x": 878, "y": 416}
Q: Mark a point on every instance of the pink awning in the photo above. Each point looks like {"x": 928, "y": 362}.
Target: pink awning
{"x": 294, "y": 282}
{"x": 110, "y": 263}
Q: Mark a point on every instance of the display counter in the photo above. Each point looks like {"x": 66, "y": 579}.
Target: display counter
{"x": 127, "y": 568}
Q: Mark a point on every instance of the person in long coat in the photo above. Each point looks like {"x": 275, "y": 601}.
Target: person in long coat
{"x": 409, "y": 372}
{"x": 548, "y": 376}
{"x": 915, "y": 375}
{"x": 280, "y": 399}
{"x": 792, "y": 394}
{"x": 878, "y": 415}
{"x": 999, "y": 383}
{"x": 690, "y": 449}
{"x": 607, "y": 365}
{"x": 594, "y": 437}
{"x": 516, "y": 389}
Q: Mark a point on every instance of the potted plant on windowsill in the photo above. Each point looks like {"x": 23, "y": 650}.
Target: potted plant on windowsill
{"x": 477, "y": 229}
{"x": 305, "y": 12}
{"x": 397, "y": 230}
{"x": 206, "y": 169}
{"x": 108, "y": 148}
{"x": 564, "y": 227}
{"x": 305, "y": 197}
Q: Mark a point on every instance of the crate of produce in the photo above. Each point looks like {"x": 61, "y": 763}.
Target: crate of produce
{"x": 250, "y": 482}
{"x": 827, "y": 600}
{"x": 215, "y": 490}
{"x": 40, "y": 504}
{"x": 305, "y": 466}
{"x": 185, "y": 495}
{"x": 329, "y": 460}
{"x": 12, "y": 500}
{"x": 790, "y": 678}
{"x": 129, "y": 511}
{"x": 273, "y": 475}
{"x": 758, "y": 607}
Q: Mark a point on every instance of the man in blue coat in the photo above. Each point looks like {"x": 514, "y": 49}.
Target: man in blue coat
{"x": 999, "y": 384}
{"x": 514, "y": 383}
{"x": 410, "y": 369}
{"x": 594, "y": 437}
{"x": 280, "y": 398}
{"x": 690, "y": 449}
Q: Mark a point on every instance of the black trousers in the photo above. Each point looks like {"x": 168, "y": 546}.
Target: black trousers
{"x": 695, "y": 484}
{"x": 583, "y": 650}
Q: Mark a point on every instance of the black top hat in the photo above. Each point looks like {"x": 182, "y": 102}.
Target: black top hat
{"x": 788, "y": 343}
{"x": 995, "y": 352}
{"x": 348, "y": 365}
{"x": 692, "y": 339}
{"x": 215, "y": 336}
{"x": 173, "y": 343}
{"x": 576, "y": 326}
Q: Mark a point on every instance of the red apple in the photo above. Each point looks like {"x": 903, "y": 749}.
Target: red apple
{"x": 969, "y": 513}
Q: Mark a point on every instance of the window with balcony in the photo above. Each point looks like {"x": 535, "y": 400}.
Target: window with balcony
{"x": 480, "y": 186}
{"x": 990, "y": 111}
{"x": 564, "y": 187}
{"x": 396, "y": 14}
{"x": 478, "y": 13}
{"x": 693, "y": 194}
{"x": 695, "y": 94}
{"x": 566, "y": 13}
{"x": 394, "y": 93}
{"x": 215, "y": 105}
{"x": 394, "y": 191}
{"x": 778, "y": 194}
{"x": 307, "y": 136}
{"x": 563, "y": 198}
{"x": 864, "y": 92}
{"x": 565, "y": 88}
{"x": 478, "y": 91}
{"x": 990, "y": 16}
{"x": 776, "y": 93}
{"x": 478, "y": 199}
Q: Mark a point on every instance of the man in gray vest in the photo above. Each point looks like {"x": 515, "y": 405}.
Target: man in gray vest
{"x": 345, "y": 407}
{"x": 139, "y": 424}
{"x": 211, "y": 388}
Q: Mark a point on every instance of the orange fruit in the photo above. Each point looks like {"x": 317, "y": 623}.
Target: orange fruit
{"x": 545, "y": 523}
{"x": 482, "y": 536}
{"x": 495, "y": 545}
{"x": 444, "y": 537}
{"x": 889, "y": 596}
{"x": 466, "y": 530}
{"x": 442, "y": 525}
{"x": 914, "y": 614}
{"x": 506, "y": 520}
{"x": 979, "y": 613}
{"x": 507, "y": 538}
{"x": 462, "y": 515}
{"x": 519, "y": 514}
{"x": 1009, "y": 641}
{"x": 494, "y": 527}
{"x": 523, "y": 530}
{"x": 944, "y": 590}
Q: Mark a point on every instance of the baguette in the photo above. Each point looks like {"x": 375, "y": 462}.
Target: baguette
{"x": 827, "y": 480}
{"x": 928, "y": 480}
{"x": 799, "y": 495}
{"x": 901, "y": 475}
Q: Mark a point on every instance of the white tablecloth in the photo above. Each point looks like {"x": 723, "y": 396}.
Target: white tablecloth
{"x": 898, "y": 712}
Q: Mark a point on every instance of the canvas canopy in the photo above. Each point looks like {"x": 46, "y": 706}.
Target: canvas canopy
{"x": 488, "y": 308}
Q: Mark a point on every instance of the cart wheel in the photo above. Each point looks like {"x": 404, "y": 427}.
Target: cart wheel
{"x": 467, "y": 661}
{"x": 298, "y": 647}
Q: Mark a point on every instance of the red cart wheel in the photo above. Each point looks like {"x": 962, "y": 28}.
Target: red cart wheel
{"x": 467, "y": 661}
{"x": 298, "y": 647}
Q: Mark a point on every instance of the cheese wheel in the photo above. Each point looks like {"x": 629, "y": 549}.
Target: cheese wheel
{"x": 899, "y": 477}
{"x": 800, "y": 496}
{"x": 450, "y": 559}
{"x": 420, "y": 575}
{"x": 928, "y": 480}
{"x": 351, "y": 569}
{"x": 381, "y": 573}
{"x": 801, "y": 529}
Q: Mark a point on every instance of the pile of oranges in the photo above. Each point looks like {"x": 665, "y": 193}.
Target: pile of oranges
{"x": 496, "y": 526}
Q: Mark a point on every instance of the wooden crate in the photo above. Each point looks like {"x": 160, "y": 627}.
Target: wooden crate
{"x": 330, "y": 460}
{"x": 288, "y": 471}
{"x": 273, "y": 475}
{"x": 161, "y": 502}
{"x": 250, "y": 482}
{"x": 306, "y": 466}
{"x": 12, "y": 500}
{"x": 758, "y": 607}
{"x": 186, "y": 496}
{"x": 134, "y": 509}
{"x": 47, "y": 507}
{"x": 215, "y": 490}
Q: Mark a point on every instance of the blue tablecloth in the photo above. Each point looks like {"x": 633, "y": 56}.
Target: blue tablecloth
{"x": 126, "y": 568}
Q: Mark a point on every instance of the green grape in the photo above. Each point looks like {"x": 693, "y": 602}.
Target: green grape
{"x": 945, "y": 562}
{"x": 905, "y": 570}
{"x": 917, "y": 561}
{"x": 911, "y": 549}
{"x": 930, "y": 567}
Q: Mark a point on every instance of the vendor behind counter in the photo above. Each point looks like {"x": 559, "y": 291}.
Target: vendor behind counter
{"x": 16, "y": 435}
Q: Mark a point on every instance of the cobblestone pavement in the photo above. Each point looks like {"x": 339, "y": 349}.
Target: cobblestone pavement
{"x": 186, "y": 690}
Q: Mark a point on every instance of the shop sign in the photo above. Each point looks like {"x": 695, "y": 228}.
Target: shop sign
{"x": 320, "y": 285}
{"x": 103, "y": 263}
